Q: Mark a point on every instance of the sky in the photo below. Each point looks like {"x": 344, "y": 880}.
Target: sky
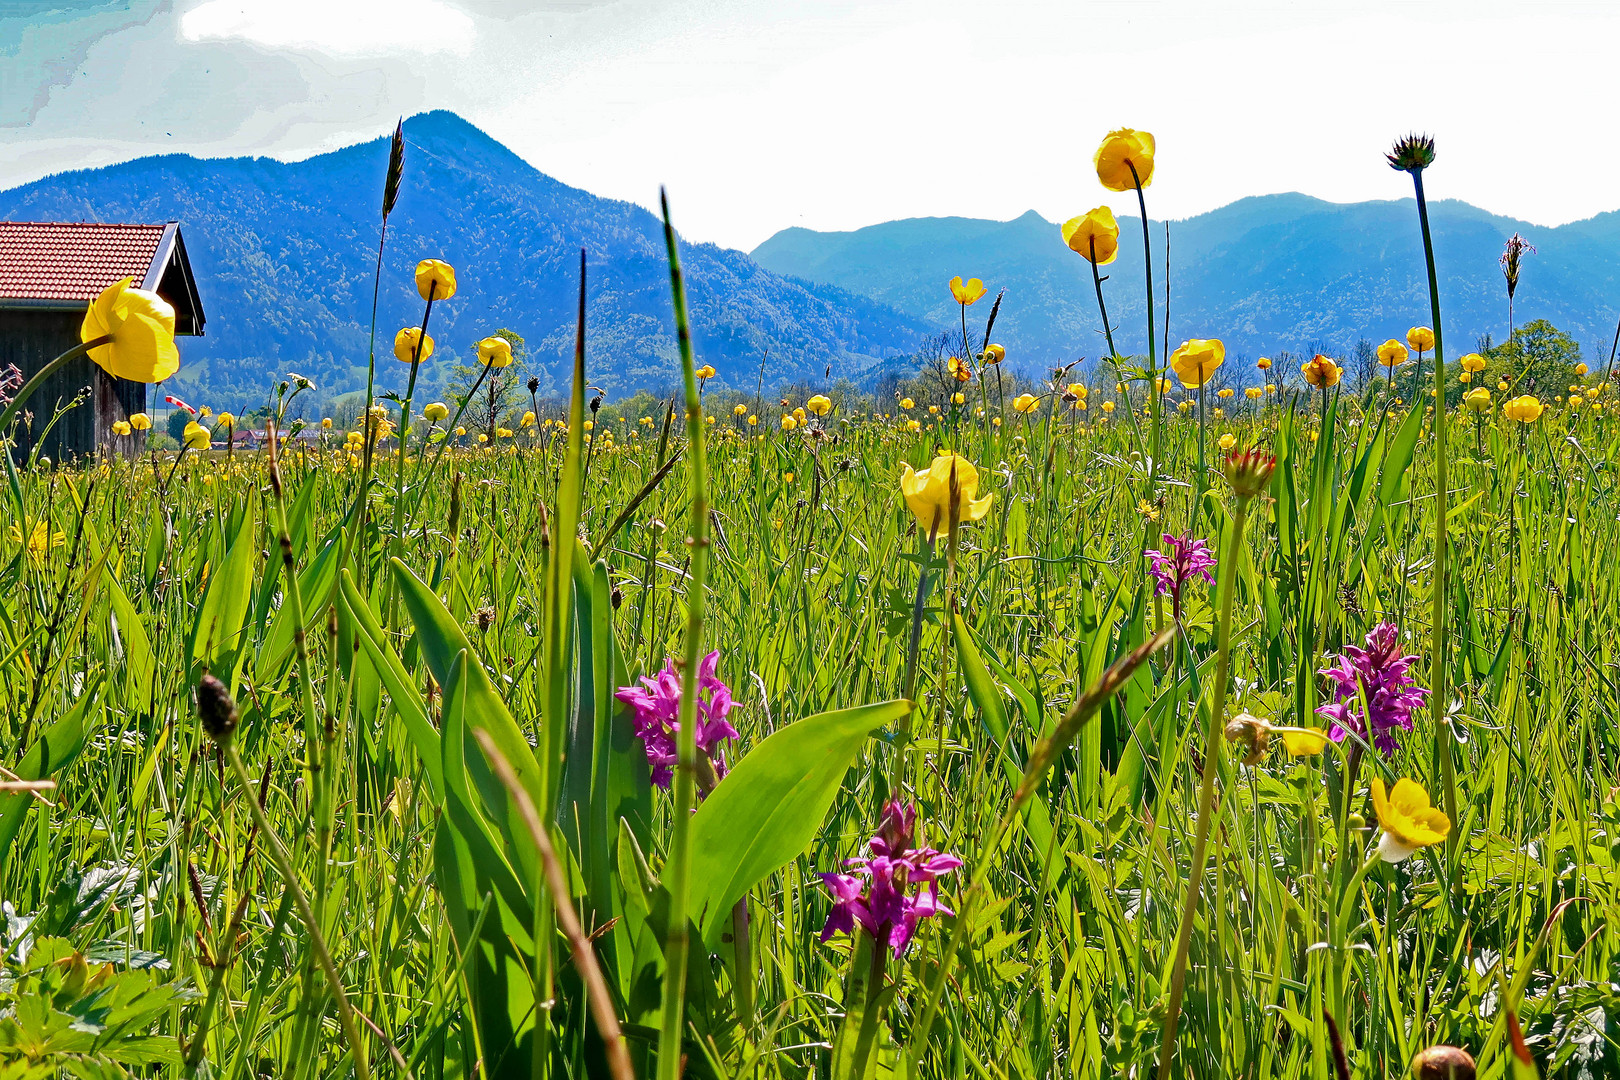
{"x": 834, "y": 114}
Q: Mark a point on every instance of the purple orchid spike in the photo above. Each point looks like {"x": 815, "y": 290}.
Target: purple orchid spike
{"x": 1381, "y": 673}
{"x": 890, "y": 893}
{"x": 1188, "y": 559}
{"x": 657, "y": 704}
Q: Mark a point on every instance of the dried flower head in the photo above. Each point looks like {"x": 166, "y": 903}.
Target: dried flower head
{"x": 1412, "y": 154}
{"x": 1516, "y": 248}
{"x": 1250, "y": 734}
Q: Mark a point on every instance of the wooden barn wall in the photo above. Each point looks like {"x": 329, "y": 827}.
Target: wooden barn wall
{"x": 32, "y": 339}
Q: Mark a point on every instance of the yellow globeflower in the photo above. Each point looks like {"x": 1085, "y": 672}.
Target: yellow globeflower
{"x": 1025, "y": 403}
{"x": 1321, "y": 371}
{"x": 928, "y": 493}
{"x": 907, "y": 403}
{"x": 460, "y": 431}
{"x": 121, "y": 427}
{"x": 1094, "y": 235}
{"x": 1224, "y": 392}
{"x": 993, "y": 354}
{"x": 789, "y": 423}
{"x": 820, "y": 404}
{"x": 967, "y": 292}
{"x": 226, "y": 420}
{"x": 1108, "y": 406}
{"x": 1264, "y": 363}
{"x": 753, "y": 421}
{"x": 326, "y": 423}
{"x": 140, "y": 421}
{"x": 40, "y": 539}
{"x": 196, "y": 436}
{"x": 435, "y": 280}
{"x": 704, "y": 372}
{"x": 405, "y": 345}
{"x": 1525, "y": 409}
{"x": 958, "y": 398}
{"x": 1409, "y": 822}
{"x": 141, "y": 325}
{"x": 1253, "y": 393}
{"x": 482, "y": 437}
{"x": 436, "y": 411}
{"x": 1473, "y": 362}
{"x": 1304, "y": 742}
{"x": 495, "y": 352}
{"x": 1227, "y": 441}
{"x": 739, "y": 410}
{"x": 1125, "y": 159}
{"x": 1581, "y": 369}
{"x": 1420, "y": 338}
{"x": 1196, "y": 360}
{"x": 527, "y": 420}
{"x": 503, "y": 433}
{"x": 1392, "y": 353}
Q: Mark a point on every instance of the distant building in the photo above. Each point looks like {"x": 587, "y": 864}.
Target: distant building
{"x": 49, "y": 273}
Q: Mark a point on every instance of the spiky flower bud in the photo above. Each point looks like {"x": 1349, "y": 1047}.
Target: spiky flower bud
{"x": 215, "y": 709}
{"x": 534, "y": 383}
{"x": 1412, "y": 154}
{"x": 396, "y": 169}
{"x": 1249, "y": 471}
{"x": 1443, "y": 1063}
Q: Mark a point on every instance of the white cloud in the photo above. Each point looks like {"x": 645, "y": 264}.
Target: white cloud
{"x": 347, "y": 28}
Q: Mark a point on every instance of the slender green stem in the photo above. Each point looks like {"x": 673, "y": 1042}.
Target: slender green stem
{"x": 1438, "y": 662}
{"x": 1206, "y": 790}
{"x": 317, "y": 940}
{"x": 677, "y": 876}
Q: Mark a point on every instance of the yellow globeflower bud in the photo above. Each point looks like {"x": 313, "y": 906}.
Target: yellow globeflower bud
{"x": 1094, "y": 235}
{"x": 1227, "y": 441}
{"x": 435, "y": 280}
{"x": 326, "y": 423}
{"x": 436, "y": 411}
{"x": 1125, "y": 159}
{"x": 495, "y": 352}
{"x": 405, "y": 345}
{"x": 1420, "y": 338}
{"x": 1525, "y": 409}
{"x": 1196, "y": 360}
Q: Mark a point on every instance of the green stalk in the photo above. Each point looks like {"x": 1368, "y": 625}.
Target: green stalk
{"x": 677, "y": 873}
{"x": 317, "y": 940}
{"x": 1437, "y": 595}
{"x": 1206, "y": 790}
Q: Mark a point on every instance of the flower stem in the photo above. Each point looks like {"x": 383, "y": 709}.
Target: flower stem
{"x": 1438, "y": 669}
{"x": 677, "y": 942}
{"x": 1206, "y": 790}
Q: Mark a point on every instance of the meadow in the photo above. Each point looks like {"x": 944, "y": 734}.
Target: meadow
{"x": 1104, "y": 724}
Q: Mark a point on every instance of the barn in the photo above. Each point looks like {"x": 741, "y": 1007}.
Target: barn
{"x": 49, "y": 273}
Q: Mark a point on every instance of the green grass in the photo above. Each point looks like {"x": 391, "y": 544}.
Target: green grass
{"x": 146, "y": 856}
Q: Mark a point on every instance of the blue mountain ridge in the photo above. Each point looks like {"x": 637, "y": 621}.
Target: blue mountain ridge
{"x": 284, "y": 254}
{"x": 1265, "y": 274}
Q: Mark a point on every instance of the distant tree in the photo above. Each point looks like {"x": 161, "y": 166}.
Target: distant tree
{"x": 176, "y": 424}
{"x": 500, "y": 390}
{"x": 1364, "y": 363}
{"x": 1538, "y": 359}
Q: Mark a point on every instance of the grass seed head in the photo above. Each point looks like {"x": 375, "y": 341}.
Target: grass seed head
{"x": 216, "y": 709}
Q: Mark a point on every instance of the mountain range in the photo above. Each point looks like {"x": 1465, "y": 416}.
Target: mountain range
{"x": 284, "y": 254}
{"x": 1264, "y": 274}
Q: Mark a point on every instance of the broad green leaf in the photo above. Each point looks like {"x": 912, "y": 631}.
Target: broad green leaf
{"x": 52, "y": 752}
{"x": 401, "y": 688}
{"x": 768, "y": 808}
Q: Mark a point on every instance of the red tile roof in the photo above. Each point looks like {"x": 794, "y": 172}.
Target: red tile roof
{"x": 72, "y": 262}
